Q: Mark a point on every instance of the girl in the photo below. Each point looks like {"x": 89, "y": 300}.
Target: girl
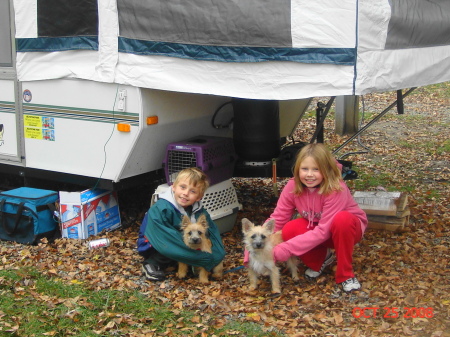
{"x": 329, "y": 217}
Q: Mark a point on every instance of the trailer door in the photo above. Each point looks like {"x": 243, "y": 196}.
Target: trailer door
{"x": 10, "y": 131}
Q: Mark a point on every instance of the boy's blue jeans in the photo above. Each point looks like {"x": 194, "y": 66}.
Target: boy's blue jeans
{"x": 155, "y": 258}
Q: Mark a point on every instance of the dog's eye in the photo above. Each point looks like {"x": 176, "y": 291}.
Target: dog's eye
{"x": 190, "y": 233}
{"x": 253, "y": 236}
{"x": 200, "y": 233}
{"x": 263, "y": 236}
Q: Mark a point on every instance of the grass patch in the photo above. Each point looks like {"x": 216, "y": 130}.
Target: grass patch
{"x": 432, "y": 195}
{"x": 366, "y": 116}
{"x": 430, "y": 146}
{"x": 444, "y": 148}
{"x": 439, "y": 90}
{"x": 407, "y": 145}
{"x": 33, "y": 305}
{"x": 368, "y": 181}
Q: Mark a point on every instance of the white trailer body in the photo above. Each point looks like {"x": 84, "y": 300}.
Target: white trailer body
{"x": 71, "y": 127}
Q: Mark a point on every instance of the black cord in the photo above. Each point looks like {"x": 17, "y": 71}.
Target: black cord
{"x": 107, "y": 141}
{"x": 215, "y": 115}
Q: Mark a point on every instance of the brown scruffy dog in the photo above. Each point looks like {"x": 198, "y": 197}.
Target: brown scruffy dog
{"x": 194, "y": 236}
{"x": 259, "y": 241}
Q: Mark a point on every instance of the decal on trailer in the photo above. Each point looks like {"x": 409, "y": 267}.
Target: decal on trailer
{"x": 37, "y": 127}
{"x": 27, "y": 95}
{"x": 8, "y": 128}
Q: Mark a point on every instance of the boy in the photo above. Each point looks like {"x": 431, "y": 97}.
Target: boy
{"x": 160, "y": 233}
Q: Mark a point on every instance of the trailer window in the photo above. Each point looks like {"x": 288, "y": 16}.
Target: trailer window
{"x": 5, "y": 35}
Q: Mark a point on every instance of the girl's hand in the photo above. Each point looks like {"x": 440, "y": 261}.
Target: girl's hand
{"x": 281, "y": 253}
{"x": 246, "y": 257}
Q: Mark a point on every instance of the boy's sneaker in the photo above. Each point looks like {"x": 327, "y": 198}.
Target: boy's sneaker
{"x": 351, "y": 284}
{"x": 153, "y": 272}
{"x": 312, "y": 274}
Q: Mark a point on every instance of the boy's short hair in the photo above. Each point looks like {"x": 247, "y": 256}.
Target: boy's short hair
{"x": 195, "y": 176}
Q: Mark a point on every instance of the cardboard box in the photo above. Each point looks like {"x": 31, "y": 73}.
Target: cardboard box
{"x": 88, "y": 213}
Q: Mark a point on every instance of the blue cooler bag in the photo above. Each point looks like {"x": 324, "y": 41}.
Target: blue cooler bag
{"x": 26, "y": 215}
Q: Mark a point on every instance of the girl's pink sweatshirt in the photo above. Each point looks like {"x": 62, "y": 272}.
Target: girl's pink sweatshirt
{"x": 318, "y": 209}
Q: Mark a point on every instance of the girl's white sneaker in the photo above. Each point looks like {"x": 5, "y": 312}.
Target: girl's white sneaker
{"x": 312, "y": 274}
{"x": 351, "y": 284}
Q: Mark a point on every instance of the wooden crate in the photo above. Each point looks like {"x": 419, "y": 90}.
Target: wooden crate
{"x": 385, "y": 210}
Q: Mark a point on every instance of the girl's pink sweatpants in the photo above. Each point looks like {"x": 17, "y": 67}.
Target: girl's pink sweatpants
{"x": 345, "y": 233}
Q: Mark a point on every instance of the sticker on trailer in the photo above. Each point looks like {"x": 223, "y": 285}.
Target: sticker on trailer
{"x": 37, "y": 127}
{"x": 27, "y": 95}
{"x": 32, "y": 121}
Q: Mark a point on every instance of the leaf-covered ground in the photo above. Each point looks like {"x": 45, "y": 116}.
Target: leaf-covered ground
{"x": 405, "y": 275}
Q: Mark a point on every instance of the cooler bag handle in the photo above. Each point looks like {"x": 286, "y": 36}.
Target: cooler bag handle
{"x": 49, "y": 206}
{"x": 18, "y": 215}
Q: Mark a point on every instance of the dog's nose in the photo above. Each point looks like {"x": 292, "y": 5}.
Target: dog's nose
{"x": 196, "y": 240}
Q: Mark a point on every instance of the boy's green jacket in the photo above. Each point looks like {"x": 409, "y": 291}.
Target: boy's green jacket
{"x": 164, "y": 233}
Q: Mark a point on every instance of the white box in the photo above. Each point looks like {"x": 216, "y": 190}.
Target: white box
{"x": 220, "y": 200}
{"x": 88, "y": 213}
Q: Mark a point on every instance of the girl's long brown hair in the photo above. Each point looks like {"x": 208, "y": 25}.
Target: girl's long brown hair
{"x": 327, "y": 166}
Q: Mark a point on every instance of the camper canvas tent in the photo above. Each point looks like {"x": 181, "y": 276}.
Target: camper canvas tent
{"x": 259, "y": 49}
{"x": 96, "y": 89}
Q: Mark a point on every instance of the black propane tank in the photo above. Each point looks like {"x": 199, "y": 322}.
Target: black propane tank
{"x": 256, "y": 129}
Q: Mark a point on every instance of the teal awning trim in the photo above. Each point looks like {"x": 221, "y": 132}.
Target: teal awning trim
{"x": 340, "y": 56}
{"x": 50, "y": 44}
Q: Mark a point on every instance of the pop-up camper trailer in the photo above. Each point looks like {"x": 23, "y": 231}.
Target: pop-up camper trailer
{"x": 95, "y": 90}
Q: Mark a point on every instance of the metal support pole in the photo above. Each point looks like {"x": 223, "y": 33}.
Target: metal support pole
{"x": 319, "y": 114}
{"x": 372, "y": 121}
{"x": 319, "y": 125}
{"x": 400, "y": 108}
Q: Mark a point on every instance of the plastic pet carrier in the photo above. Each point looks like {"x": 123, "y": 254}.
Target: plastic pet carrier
{"x": 213, "y": 155}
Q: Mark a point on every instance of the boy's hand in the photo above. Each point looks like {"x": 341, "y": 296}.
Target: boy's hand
{"x": 281, "y": 253}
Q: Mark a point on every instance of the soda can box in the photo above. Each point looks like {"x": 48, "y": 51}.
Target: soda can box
{"x": 88, "y": 213}
{"x": 71, "y": 221}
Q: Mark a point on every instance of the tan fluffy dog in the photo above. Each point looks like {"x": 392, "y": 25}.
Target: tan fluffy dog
{"x": 194, "y": 236}
{"x": 259, "y": 241}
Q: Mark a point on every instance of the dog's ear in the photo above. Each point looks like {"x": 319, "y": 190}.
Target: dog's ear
{"x": 247, "y": 225}
{"x": 203, "y": 221}
{"x": 185, "y": 222}
{"x": 269, "y": 225}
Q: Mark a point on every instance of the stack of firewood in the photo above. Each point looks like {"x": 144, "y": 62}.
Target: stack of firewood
{"x": 385, "y": 210}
